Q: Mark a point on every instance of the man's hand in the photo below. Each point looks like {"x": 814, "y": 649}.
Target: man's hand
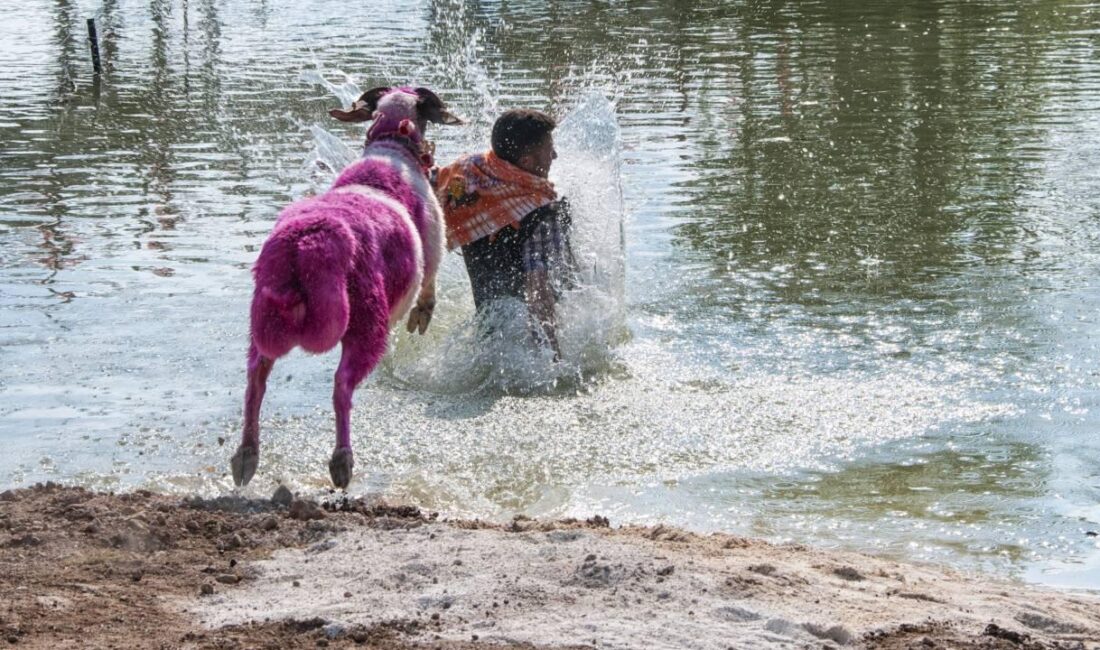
{"x": 420, "y": 316}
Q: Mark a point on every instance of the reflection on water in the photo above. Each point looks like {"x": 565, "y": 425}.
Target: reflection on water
{"x": 862, "y": 252}
{"x": 912, "y": 496}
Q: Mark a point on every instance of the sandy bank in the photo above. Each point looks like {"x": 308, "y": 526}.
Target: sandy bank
{"x": 82, "y": 569}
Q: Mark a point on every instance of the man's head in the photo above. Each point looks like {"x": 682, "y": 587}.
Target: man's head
{"x": 524, "y": 137}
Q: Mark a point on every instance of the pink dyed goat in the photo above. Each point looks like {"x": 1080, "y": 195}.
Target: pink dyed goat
{"x": 347, "y": 265}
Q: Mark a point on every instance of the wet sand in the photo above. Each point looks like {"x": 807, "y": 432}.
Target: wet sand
{"x": 80, "y": 569}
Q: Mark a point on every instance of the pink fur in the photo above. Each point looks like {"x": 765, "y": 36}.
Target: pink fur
{"x": 340, "y": 267}
{"x": 309, "y": 254}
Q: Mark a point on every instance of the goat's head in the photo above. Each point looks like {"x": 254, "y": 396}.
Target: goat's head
{"x": 393, "y": 105}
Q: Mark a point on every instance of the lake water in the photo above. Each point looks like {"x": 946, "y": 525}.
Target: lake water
{"x": 860, "y": 306}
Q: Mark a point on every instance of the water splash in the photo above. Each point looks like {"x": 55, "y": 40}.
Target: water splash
{"x": 329, "y": 156}
{"x": 347, "y": 92}
{"x": 497, "y": 352}
{"x": 590, "y": 174}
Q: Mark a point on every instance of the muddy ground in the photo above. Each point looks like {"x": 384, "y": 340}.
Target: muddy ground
{"x": 80, "y": 569}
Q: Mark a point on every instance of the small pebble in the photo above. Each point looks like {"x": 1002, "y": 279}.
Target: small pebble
{"x": 206, "y": 589}
{"x": 282, "y": 496}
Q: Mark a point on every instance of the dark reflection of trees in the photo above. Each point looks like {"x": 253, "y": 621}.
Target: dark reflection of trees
{"x": 186, "y": 48}
{"x": 120, "y": 122}
{"x": 143, "y": 118}
{"x": 262, "y": 12}
{"x": 820, "y": 135}
{"x": 156, "y": 155}
{"x": 125, "y": 129}
{"x": 109, "y": 27}
{"x": 903, "y": 149}
{"x": 66, "y": 43}
{"x": 812, "y": 134}
{"x": 210, "y": 27}
{"x": 57, "y": 248}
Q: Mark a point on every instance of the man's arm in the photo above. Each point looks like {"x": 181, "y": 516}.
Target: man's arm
{"x": 540, "y": 303}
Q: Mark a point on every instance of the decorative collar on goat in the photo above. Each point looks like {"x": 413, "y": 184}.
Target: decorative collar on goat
{"x": 405, "y": 137}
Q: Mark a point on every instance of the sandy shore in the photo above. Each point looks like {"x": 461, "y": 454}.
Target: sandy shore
{"x": 87, "y": 570}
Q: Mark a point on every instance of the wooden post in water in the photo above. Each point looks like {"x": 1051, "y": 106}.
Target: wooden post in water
{"x": 93, "y": 39}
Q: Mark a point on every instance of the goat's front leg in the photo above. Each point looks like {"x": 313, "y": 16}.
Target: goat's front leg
{"x": 244, "y": 462}
{"x": 421, "y": 314}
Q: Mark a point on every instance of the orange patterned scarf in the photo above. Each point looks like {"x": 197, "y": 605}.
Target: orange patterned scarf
{"x": 482, "y": 193}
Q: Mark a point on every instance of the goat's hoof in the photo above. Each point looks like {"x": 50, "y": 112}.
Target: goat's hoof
{"x": 340, "y": 467}
{"x": 244, "y": 464}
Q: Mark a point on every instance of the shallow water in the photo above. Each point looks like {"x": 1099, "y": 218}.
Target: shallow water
{"x": 860, "y": 300}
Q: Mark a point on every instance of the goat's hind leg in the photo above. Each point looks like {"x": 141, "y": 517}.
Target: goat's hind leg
{"x": 244, "y": 462}
{"x": 356, "y": 362}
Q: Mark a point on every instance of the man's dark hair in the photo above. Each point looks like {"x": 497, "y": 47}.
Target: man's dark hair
{"x": 519, "y": 131}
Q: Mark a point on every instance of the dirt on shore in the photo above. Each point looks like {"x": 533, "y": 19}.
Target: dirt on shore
{"x": 81, "y": 569}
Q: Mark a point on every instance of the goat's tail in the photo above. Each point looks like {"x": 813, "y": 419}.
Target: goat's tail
{"x": 301, "y": 295}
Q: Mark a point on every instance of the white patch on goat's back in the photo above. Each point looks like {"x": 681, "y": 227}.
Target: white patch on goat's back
{"x": 411, "y": 173}
{"x": 402, "y": 307}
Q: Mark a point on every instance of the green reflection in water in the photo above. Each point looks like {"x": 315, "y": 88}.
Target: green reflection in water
{"x": 897, "y": 135}
{"x": 945, "y": 498}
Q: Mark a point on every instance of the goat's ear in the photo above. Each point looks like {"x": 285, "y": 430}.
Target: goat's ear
{"x": 431, "y": 108}
{"x": 362, "y": 110}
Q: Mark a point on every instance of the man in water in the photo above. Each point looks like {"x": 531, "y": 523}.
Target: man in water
{"x": 512, "y": 226}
